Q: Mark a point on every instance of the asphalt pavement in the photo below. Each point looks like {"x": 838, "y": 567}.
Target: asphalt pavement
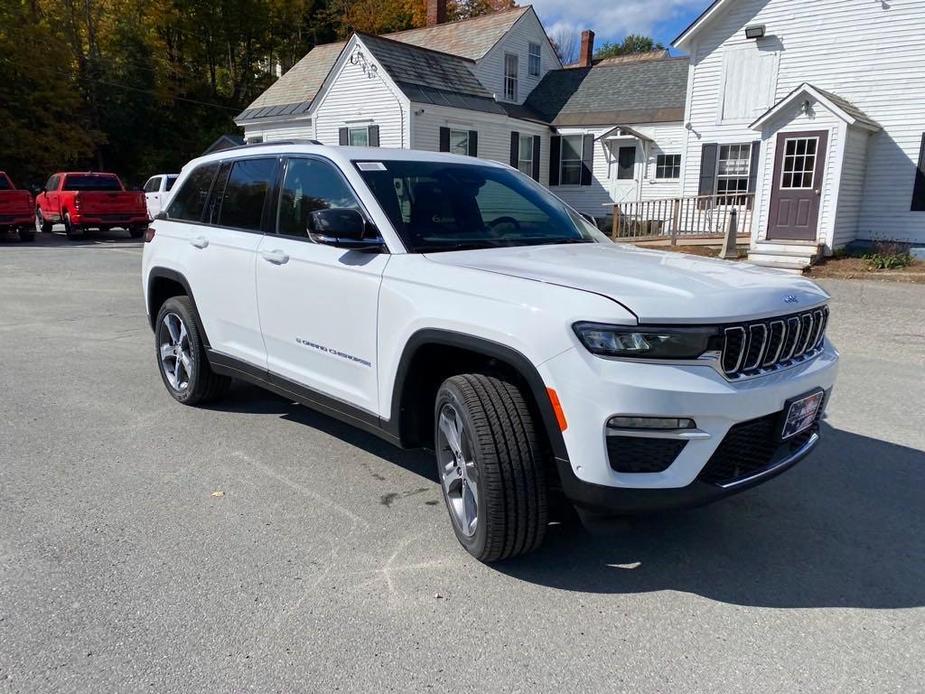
{"x": 258, "y": 546}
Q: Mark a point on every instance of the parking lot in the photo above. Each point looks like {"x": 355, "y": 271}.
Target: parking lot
{"x": 256, "y": 545}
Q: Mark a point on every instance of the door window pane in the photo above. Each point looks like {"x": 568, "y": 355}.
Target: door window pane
{"x": 170, "y": 181}
{"x": 310, "y": 184}
{"x": 245, "y": 193}
{"x": 153, "y": 185}
{"x": 626, "y": 163}
{"x": 190, "y": 200}
{"x": 799, "y": 164}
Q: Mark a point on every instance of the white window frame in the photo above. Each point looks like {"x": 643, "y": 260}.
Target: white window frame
{"x": 511, "y": 78}
{"x": 671, "y": 167}
{"x": 465, "y": 141}
{"x": 783, "y": 164}
{"x": 736, "y": 176}
{"x": 562, "y": 159}
{"x": 534, "y": 59}
{"x": 525, "y": 154}
{"x": 351, "y": 129}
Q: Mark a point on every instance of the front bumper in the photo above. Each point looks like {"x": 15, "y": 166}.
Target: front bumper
{"x": 592, "y": 390}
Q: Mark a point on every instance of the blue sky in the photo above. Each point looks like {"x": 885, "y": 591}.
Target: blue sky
{"x": 613, "y": 19}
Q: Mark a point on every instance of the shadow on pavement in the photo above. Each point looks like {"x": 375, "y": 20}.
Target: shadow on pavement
{"x": 57, "y": 239}
{"x": 844, "y": 528}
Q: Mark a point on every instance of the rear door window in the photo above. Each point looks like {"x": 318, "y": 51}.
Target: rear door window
{"x": 190, "y": 200}
{"x": 246, "y": 193}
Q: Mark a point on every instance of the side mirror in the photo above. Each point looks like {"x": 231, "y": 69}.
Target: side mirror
{"x": 342, "y": 228}
{"x": 162, "y": 215}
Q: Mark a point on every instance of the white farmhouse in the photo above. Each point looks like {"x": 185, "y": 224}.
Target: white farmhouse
{"x": 492, "y": 87}
{"x": 818, "y": 110}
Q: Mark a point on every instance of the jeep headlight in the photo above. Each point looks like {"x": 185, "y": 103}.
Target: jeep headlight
{"x": 648, "y": 342}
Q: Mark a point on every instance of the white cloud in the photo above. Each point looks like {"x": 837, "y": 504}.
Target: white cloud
{"x": 613, "y": 19}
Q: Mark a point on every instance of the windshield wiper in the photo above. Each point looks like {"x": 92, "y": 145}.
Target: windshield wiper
{"x": 553, "y": 242}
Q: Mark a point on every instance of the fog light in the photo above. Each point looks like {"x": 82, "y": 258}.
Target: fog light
{"x": 659, "y": 423}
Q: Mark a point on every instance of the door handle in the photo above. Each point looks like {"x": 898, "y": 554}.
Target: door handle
{"x": 200, "y": 242}
{"x": 275, "y": 257}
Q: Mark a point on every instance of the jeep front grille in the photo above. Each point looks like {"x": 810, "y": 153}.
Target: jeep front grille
{"x": 766, "y": 345}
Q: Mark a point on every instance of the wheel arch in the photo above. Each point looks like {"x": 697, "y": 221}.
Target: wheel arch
{"x": 419, "y": 376}
{"x": 164, "y": 283}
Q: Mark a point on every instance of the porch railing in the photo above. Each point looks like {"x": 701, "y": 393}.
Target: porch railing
{"x": 701, "y": 216}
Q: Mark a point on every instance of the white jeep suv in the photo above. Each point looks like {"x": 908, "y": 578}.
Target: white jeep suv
{"x": 453, "y": 303}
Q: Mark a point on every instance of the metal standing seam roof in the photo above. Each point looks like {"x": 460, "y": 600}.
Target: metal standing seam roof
{"x": 644, "y": 92}
{"x": 294, "y": 92}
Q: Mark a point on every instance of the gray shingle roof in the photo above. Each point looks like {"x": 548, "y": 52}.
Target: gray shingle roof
{"x": 294, "y": 91}
{"x": 848, "y": 108}
{"x": 645, "y": 92}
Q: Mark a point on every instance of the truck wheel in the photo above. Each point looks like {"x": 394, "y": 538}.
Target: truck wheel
{"x": 73, "y": 233}
{"x": 136, "y": 232}
{"x": 40, "y": 223}
{"x": 181, "y": 357}
{"x": 490, "y": 463}
{"x": 26, "y": 234}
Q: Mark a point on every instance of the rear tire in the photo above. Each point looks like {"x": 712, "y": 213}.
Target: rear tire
{"x": 496, "y": 453}
{"x": 181, "y": 355}
{"x": 136, "y": 232}
{"x": 73, "y": 233}
{"x": 26, "y": 234}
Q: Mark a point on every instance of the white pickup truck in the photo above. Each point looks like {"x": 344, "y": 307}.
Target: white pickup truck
{"x": 451, "y": 303}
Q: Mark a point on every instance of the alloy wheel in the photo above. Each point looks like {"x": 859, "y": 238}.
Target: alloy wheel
{"x": 458, "y": 470}
{"x": 175, "y": 352}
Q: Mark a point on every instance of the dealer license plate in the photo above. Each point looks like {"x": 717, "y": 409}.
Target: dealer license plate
{"x": 801, "y": 414}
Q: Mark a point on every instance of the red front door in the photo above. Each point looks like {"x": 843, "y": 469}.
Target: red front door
{"x": 799, "y": 165}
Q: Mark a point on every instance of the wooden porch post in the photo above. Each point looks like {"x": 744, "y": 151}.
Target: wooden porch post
{"x": 615, "y": 233}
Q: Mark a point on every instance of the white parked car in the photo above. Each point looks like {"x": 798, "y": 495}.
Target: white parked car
{"x": 157, "y": 190}
{"x": 452, "y": 303}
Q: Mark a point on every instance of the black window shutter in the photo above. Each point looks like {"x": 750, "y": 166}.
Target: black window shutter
{"x": 515, "y": 148}
{"x": 473, "y": 143}
{"x": 374, "y": 136}
{"x": 708, "y": 154}
{"x": 343, "y": 136}
{"x": 536, "y": 157}
{"x": 753, "y": 167}
{"x": 444, "y": 139}
{"x": 918, "y": 191}
{"x": 555, "y": 152}
{"x": 587, "y": 159}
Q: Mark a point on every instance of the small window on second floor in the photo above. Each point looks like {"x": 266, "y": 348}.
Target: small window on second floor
{"x": 510, "y": 77}
{"x": 534, "y": 63}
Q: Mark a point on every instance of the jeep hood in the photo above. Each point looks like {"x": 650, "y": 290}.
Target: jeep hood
{"x": 657, "y": 286}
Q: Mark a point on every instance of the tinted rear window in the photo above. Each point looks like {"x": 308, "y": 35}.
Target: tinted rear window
{"x": 246, "y": 192}
{"x": 5, "y": 183}
{"x": 170, "y": 181}
{"x": 189, "y": 201}
{"x": 91, "y": 182}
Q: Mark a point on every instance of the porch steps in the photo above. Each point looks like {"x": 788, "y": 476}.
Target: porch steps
{"x": 792, "y": 256}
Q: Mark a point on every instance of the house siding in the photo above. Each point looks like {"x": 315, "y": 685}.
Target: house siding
{"x": 490, "y": 69}
{"x": 352, "y": 98}
{"x": 851, "y": 188}
{"x": 293, "y": 130}
{"x": 866, "y": 52}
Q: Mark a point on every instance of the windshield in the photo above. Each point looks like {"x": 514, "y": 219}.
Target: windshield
{"x": 91, "y": 182}
{"x": 439, "y": 206}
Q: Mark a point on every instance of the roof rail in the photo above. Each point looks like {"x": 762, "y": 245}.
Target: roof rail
{"x": 297, "y": 141}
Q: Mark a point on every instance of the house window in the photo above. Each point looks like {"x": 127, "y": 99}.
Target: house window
{"x": 668, "y": 166}
{"x": 510, "y": 77}
{"x": 525, "y": 155}
{"x": 459, "y": 141}
{"x": 570, "y": 161}
{"x": 358, "y": 137}
{"x": 799, "y": 169}
{"x": 732, "y": 170}
{"x": 533, "y": 64}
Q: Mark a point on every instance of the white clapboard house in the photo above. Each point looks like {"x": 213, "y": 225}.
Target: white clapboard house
{"x": 492, "y": 87}
{"x": 816, "y": 112}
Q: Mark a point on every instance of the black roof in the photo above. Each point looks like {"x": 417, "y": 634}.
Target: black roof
{"x": 649, "y": 91}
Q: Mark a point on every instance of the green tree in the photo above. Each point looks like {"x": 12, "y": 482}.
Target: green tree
{"x": 633, "y": 43}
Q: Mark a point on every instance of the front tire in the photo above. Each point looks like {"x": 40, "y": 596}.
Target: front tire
{"x": 181, "y": 355}
{"x": 490, "y": 462}
{"x": 40, "y": 223}
{"x": 26, "y": 234}
{"x": 136, "y": 232}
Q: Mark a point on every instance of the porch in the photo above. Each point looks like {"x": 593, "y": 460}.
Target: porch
{"x": 693, "y": 220}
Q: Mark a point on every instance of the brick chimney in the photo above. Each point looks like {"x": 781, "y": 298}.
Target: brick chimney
{"x": 436, "y": 12}
{"x": 587, "y": 48}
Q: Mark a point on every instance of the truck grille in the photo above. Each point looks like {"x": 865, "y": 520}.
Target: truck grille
{"x": 766, "y": 345}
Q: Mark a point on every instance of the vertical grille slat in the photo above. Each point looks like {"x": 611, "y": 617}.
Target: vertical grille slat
{"x": 761, "y": 346}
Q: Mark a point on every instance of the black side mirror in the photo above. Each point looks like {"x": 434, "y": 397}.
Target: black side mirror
{"x": 342, "y": 228}
{"x": 162, "y": 215}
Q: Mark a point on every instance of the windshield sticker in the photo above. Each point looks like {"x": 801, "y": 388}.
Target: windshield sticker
{"x": 370, "y": 166}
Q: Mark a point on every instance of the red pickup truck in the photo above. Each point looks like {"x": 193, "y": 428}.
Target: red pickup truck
{"x": 15, "y": 209}
{"x": 90, "y": 200}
